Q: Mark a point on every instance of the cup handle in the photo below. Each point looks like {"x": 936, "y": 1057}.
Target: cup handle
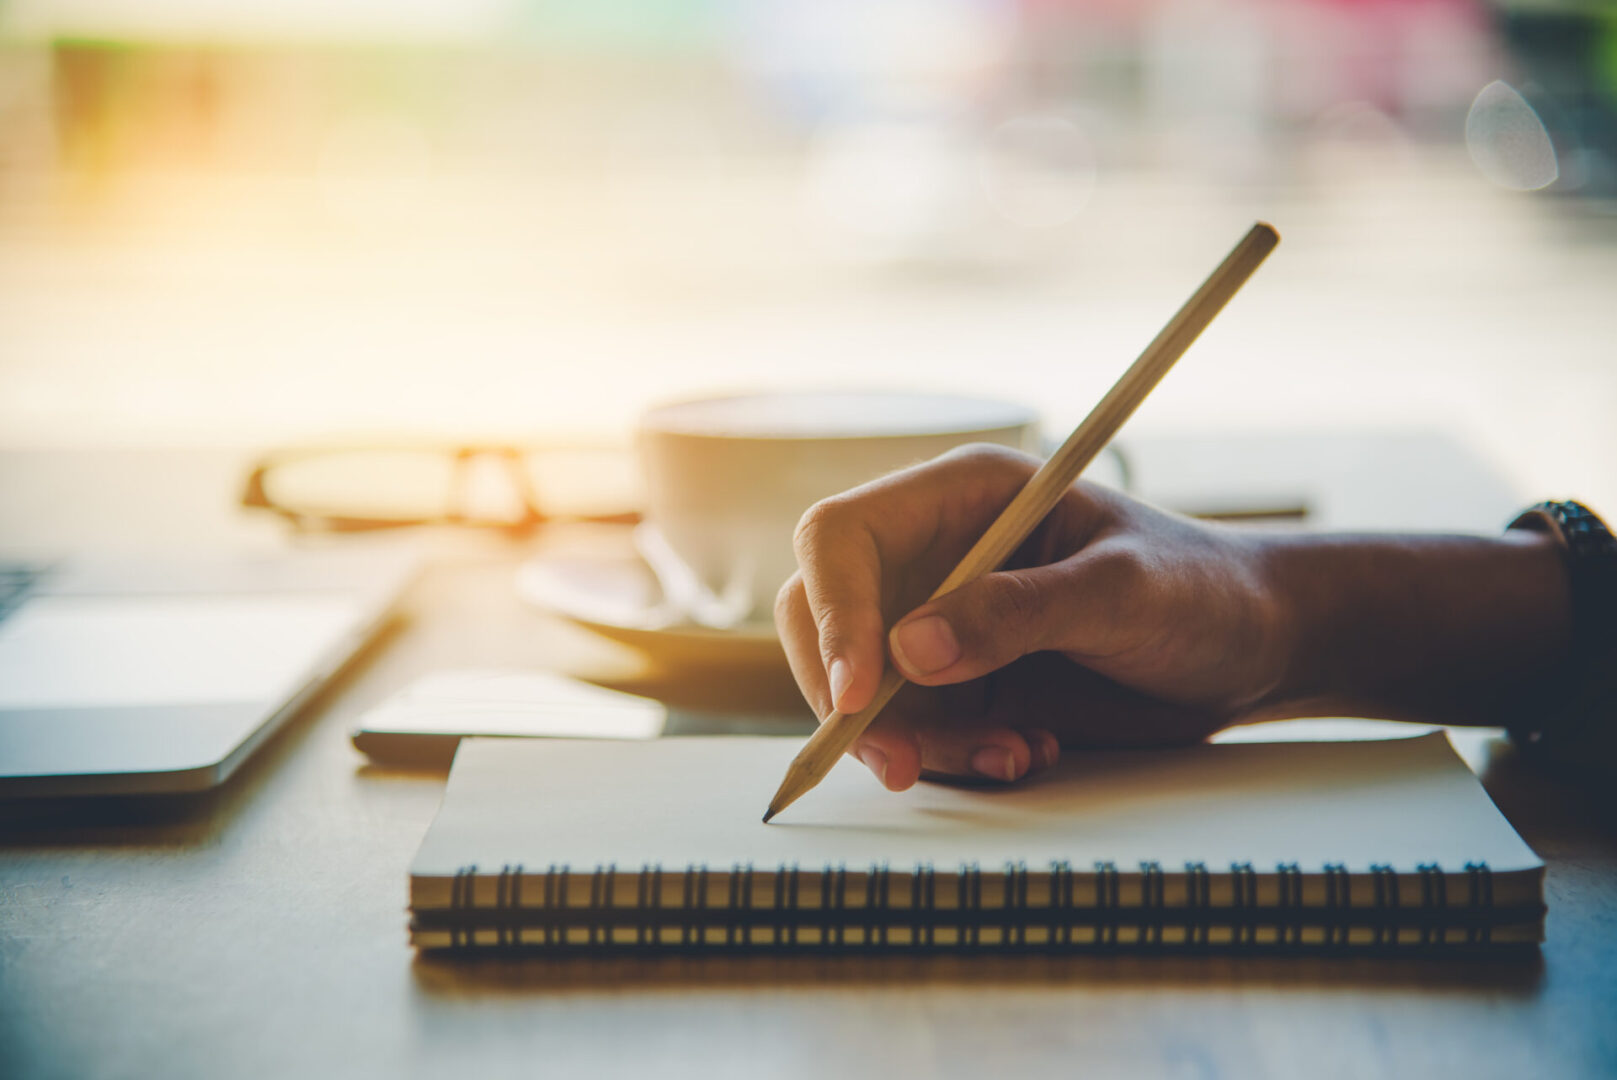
{"x": 683, "y": 591}
{"x": 1122, "y": 464}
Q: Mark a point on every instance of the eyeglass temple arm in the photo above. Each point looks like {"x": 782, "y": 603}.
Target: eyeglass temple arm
{"x": 253, "y": 494}
{"x": 512, "y": 457}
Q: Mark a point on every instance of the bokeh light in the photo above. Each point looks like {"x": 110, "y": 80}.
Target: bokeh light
{"x": 263, "y": 223}
{"x": 1039, "y": 171}
{"x": 1508, "y": 141}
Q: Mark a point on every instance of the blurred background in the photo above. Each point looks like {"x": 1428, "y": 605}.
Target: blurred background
{"x": 258, "y": 222}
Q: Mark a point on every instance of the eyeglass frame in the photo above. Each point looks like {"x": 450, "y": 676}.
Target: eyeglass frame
{"x": 256, "y": 496}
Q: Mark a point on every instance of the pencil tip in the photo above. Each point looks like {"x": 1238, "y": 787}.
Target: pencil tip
{"x": 767, "y": 815}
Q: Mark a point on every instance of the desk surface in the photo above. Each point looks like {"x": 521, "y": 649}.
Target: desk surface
{"x": 259, "y": 931}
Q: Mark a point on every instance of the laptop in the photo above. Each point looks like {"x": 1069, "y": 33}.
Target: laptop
{"x": 149, "y": 676}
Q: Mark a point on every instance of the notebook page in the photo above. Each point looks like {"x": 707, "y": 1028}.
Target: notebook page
{"x": 694, "y": 801}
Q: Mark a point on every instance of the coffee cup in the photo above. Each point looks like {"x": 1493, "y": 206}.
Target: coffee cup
{"x": 728, "y": 478}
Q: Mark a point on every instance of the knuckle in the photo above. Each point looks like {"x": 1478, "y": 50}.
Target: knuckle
{"x": 993, "y": 456}
{"x": 824, "y": 519}
{"x": 1122, "y": 569}
{"x": 1120, "y": 578}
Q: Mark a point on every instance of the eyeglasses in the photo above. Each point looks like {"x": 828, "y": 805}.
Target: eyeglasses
{"x": 510, "y": 488}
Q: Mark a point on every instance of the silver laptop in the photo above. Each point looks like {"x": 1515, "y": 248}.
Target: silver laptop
{"x": 151, "y": 676}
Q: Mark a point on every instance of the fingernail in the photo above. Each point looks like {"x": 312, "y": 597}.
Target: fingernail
{"x": 995, "y": 762}
{"x": 840, "y": 678}
{"x": 876, "y": 762}
{"x": 926, "y": 645}
{"x": 1045, "y": 749}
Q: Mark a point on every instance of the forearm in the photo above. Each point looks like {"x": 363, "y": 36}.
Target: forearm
{"x": 1448, "y": 629}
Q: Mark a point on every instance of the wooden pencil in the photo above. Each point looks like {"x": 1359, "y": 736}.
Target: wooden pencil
{"x": 1043, "y": 490}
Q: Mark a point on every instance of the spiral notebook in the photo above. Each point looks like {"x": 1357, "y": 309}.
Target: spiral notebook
{"x": 577, "y": 845}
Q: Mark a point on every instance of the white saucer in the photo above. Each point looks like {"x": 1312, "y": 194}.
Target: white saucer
{"x": 608, "y": 587}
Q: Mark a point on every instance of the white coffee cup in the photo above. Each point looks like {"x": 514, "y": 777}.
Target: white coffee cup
{"x": 728, "y": 478}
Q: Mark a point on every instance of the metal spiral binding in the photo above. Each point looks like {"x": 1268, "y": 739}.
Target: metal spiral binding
{"x": 969, "y": 899}
{"x": 1199, "y": 899}
{"x": 1151, "y": 903}
{"x": 1061, "y": 902}
{"x": 738, "y": 898}
{"x": 599, "y": 922}
{"x": 878, "y": 902}
{"x": 785, "y": 927}
{"x": 1244, "y": 883}
{"x": 647, "y": 902}
{"x": 1434, "y": 896}
{"x": 841, "y": 893}
{"x": 694, "y": 888}
{"x": 507, "y": 899}
{"x": 599, "y": 933}
{"x": 1386, "y": 896}
{"x": 1106, "y": 888}
{"x": 460, "y": 900}
{"x": 548, "y": 898}
{"x": 1338, "y": 899}
{"x": 924, "y": 898}
{"x": 1481, "y": 878}
{"x": 1016, "y": 904}
{"x": 1289, "y": 920}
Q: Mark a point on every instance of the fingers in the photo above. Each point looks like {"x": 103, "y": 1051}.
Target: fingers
{"x": 799, "y": 637}
{"x": 948, "y": 733}
{"x": 867, "y": 554}
{"x": 912, "y": 737}
{"x": 840, "y": 582}
{"x": 855, "y": 548}
{"x": 900, "y": 755}
{"x": 1072, "y": 606}
{"x": 1030, "y": 711}
{"x": 1084, "y": 709}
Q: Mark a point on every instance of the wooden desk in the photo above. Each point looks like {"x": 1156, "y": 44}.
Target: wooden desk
{"x": 259, "y": 931}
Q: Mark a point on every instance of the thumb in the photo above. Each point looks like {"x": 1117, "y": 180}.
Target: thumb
{"x": 1001, "y": 617}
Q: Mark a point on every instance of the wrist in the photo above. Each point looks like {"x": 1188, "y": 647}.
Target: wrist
{"x": 1410, "y": 627}
{"x": 1276, "y": 611}
{"x": 1309, "y": 583}
{"x": 1297, "y": 620}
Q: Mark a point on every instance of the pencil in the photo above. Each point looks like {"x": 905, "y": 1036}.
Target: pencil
{"x": 1043, "y": 490}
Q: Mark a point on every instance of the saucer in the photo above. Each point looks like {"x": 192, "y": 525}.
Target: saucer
{"x": 609, "y": 588}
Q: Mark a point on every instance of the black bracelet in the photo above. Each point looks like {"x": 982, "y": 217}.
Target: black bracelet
{"x": 1579, "y": 707}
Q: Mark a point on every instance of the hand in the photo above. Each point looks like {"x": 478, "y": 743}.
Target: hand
{"x": 1114, "y": 623}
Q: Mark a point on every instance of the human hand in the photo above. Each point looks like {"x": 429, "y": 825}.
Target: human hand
{"x": 1114, "y": 624}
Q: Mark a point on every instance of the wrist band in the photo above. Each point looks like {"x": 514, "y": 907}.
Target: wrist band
{"x": 1586, "y": 697}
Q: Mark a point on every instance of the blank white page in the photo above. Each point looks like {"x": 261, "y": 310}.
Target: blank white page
{"x": 685, "y": 801}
